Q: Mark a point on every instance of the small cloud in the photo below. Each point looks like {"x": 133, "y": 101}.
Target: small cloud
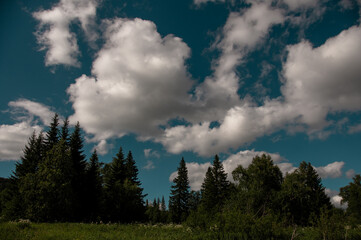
{"x": 332, "y": 170}
{"x": 354, "y": 129}
{"x": 350, "y": 173}
{"x": 103, "y": 147}
{"x": 335, "y": 198}
{"x": 151, "y": 153}
{"x": 149, "y": 166}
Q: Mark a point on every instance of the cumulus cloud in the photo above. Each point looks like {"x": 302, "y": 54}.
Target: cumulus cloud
{"x": 54, "y": 33}
{"x": 13, "y": 139}
{"x": 34, "y": 109}
{"x": 317, "y": 82}
{"x": 332, "y": 170}
{"x": 335, "y": 198}
{"x": 139, "y": 82}
{"x": 103, "y": 147}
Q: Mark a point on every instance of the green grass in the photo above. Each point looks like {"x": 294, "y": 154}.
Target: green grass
{"x": 78, "y": 231}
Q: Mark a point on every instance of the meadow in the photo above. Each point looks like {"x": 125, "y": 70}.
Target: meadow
{"x": 24, "y": 230}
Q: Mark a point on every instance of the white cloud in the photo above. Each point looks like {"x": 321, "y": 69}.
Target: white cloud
{"x": 13, "y": 139}
{"x": 335, "y": 198}
{"x": 332, "y": 170}
{"x": 350, "y": 173}
{"x": 54, "y": 34}
{"x": 34, "y": 109}
{"x": 149, "y": 166}
{"x": 140, "y": 82}
{"x": 103, "y": 147}
{"x": 151, "y": 153}
{"x": 317, "y": 82}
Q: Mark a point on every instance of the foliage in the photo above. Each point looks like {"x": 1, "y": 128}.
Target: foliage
{"x": 179, "y": 199}
{"x": 351, "y": 194}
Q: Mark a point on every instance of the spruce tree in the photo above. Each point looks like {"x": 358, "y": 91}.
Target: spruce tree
{"x": 52, "y": 135}
{"x": 94, "y": 188}
{"x": 78, "y": 174}
{"x": 131, "y": 170}
{"x": 64, "y": 135}
{"x": 178, "y": 201}
{"x": 209, "y": 190}
{"x": 216, "y": 187}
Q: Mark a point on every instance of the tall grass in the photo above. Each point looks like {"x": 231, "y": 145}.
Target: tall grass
{"x": 79, "y": 231}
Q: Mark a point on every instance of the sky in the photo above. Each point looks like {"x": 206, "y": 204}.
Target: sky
{"x": 187, "y": 78}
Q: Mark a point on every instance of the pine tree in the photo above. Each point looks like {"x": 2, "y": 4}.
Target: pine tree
{"x": 162, "y": 205}
{"x": 78, "y": 174}
{"x": 52, "y": 135}
{"x": 54, "y": 192}
{"x": 220, "y": 180}
{"x": 94, "y": 188}
{"x": 215, "y": 188}
{"x": 131, "y": 170}
{"x": 64, "y": 135}
{"x": 178, "y": 201}
{"x": 209, "y": 190}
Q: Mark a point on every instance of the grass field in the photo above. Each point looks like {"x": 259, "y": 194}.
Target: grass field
{"x": 79, "y": 231}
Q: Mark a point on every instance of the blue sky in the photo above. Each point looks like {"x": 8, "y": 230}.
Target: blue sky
{"x": 167, "y": 79}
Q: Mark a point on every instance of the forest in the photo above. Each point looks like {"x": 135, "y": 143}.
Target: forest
{"x": 55, "y": 183}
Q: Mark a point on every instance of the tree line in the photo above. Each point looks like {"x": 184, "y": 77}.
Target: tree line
{"x": 54, "y": 182}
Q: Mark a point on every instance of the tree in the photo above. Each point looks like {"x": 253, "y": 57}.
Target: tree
{"x": 215, "y": 188}
{"x": 303, "y": 195}
{"x": 178, "y": 201}
{"x": 78, "y": 172}
{"x": 64, "y": 135}
{"x": 54, "y": 192}
{"x": 259, "y": 184}
{"x": 351, "y": 194}
{"x": 131, "y": 170}
{"x": 94, "y": 188}
{"x": 52, "y": 135}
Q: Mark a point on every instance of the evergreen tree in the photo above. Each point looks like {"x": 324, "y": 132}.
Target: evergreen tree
{"x": 78, "y": 174}
{"x": 32, "y": 156}
{"x": 54, "y": 190}
{"x": 64, "y": 135}
{"x": 131, "y": 170}
{"x": 216, "y": 187}
{"x": 209, "y": 190}
{"x": 162, "y": 205}
{"x": 178, "y": 201}
{"x": 351, "y": 194}
{"x": 94, "y": 188}
{"x": 222, "y": 185}
{"x": 52, "y": 135}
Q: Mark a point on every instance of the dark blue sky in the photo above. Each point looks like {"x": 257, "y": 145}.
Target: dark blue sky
{"x": 167, "y": 79}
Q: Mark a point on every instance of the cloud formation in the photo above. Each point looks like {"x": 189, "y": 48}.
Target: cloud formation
{"x": 14, "y": 137}
{"x": 54, "y": 33}
{"x": 332, "y": 170}
{"x": 139, "y": 82}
